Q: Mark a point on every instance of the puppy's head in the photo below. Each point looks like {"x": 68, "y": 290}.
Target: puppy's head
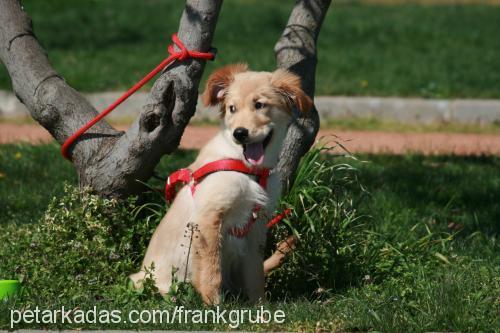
{"x": 256, "y": 107}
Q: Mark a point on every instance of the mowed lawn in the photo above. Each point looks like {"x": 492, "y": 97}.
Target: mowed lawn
{"x": 440, "y": 51}
{"x": 421, "y": 255}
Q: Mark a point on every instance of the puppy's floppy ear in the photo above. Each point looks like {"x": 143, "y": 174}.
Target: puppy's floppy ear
{"x": 288, "y": 85}
{"x": 218, "y": 82}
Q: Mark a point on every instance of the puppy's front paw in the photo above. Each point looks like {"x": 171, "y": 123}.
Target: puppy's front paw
{"x": 137, "y": 279}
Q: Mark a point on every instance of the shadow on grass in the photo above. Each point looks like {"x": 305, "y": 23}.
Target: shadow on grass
{"x": 447, "y": 192}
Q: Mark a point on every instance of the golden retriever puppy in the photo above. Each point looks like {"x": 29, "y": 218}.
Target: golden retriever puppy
{"x": 213, "y": 235}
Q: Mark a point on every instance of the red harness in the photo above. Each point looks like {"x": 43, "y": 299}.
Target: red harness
{"x": 192, "y": 179}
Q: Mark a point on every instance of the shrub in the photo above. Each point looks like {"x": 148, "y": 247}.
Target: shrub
{"x": 83, "y": 248}
{"x": 328, "y": 227}
{"x": 337, "y": 247}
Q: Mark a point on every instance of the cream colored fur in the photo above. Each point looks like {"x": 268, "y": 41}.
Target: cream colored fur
{"x": 192, "y": 241}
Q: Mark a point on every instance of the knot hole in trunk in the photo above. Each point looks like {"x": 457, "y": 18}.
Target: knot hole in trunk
{"x": 161, "y": 113}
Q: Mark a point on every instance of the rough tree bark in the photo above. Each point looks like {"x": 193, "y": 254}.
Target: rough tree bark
{"x": 109, "y": 161}
{"x": 113, "y": 163}
{"x": 296, "y": 51}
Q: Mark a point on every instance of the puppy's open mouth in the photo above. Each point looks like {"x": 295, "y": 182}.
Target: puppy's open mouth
{"x": 254, "y": 152}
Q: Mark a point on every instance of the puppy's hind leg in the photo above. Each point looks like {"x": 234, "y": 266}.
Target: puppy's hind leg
{"x": 282, "y": 250}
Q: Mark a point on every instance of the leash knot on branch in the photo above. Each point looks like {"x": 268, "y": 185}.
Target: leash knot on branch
{"x": 184, "y": 53}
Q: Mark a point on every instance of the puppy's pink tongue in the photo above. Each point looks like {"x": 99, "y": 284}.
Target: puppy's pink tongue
{"x": 254, "y": 153}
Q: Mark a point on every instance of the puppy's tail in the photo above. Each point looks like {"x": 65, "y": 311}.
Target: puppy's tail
{"x": 282, "y": 250}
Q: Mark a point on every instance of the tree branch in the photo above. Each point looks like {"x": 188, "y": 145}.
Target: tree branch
{"x": 296, "y": 51}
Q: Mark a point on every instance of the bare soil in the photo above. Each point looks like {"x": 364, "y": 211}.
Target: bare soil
{"x": 374, "y": 142}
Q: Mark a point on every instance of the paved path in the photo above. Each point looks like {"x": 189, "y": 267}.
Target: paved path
{"x": 354, "y": 141}
{"x": 404, "y": 110}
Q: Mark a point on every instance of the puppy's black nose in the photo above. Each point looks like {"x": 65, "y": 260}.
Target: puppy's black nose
{"x": 240, "y": 134}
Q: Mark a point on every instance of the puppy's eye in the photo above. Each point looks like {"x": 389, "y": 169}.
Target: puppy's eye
{"x": 259, "y": 105}
{"x": 232, "y": 109}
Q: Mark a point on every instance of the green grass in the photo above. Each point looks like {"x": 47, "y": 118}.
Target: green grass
{"x": 412, "y": 249}
{"x": 29, "y": 177}
{"x": 405, "y": 50}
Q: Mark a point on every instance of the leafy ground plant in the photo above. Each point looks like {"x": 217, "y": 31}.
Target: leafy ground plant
{"x": 81, "y": 247}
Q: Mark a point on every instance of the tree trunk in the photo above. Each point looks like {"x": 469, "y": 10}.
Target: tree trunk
{"x": 112, "y": 163}
{"x": 296, "y": 51}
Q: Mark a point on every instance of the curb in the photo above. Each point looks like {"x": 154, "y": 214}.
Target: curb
{"x": 404, "y": 110}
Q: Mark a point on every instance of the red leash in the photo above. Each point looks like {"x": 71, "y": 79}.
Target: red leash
{"x": 279, "y": 217}
{"x": 181, "y": 55}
